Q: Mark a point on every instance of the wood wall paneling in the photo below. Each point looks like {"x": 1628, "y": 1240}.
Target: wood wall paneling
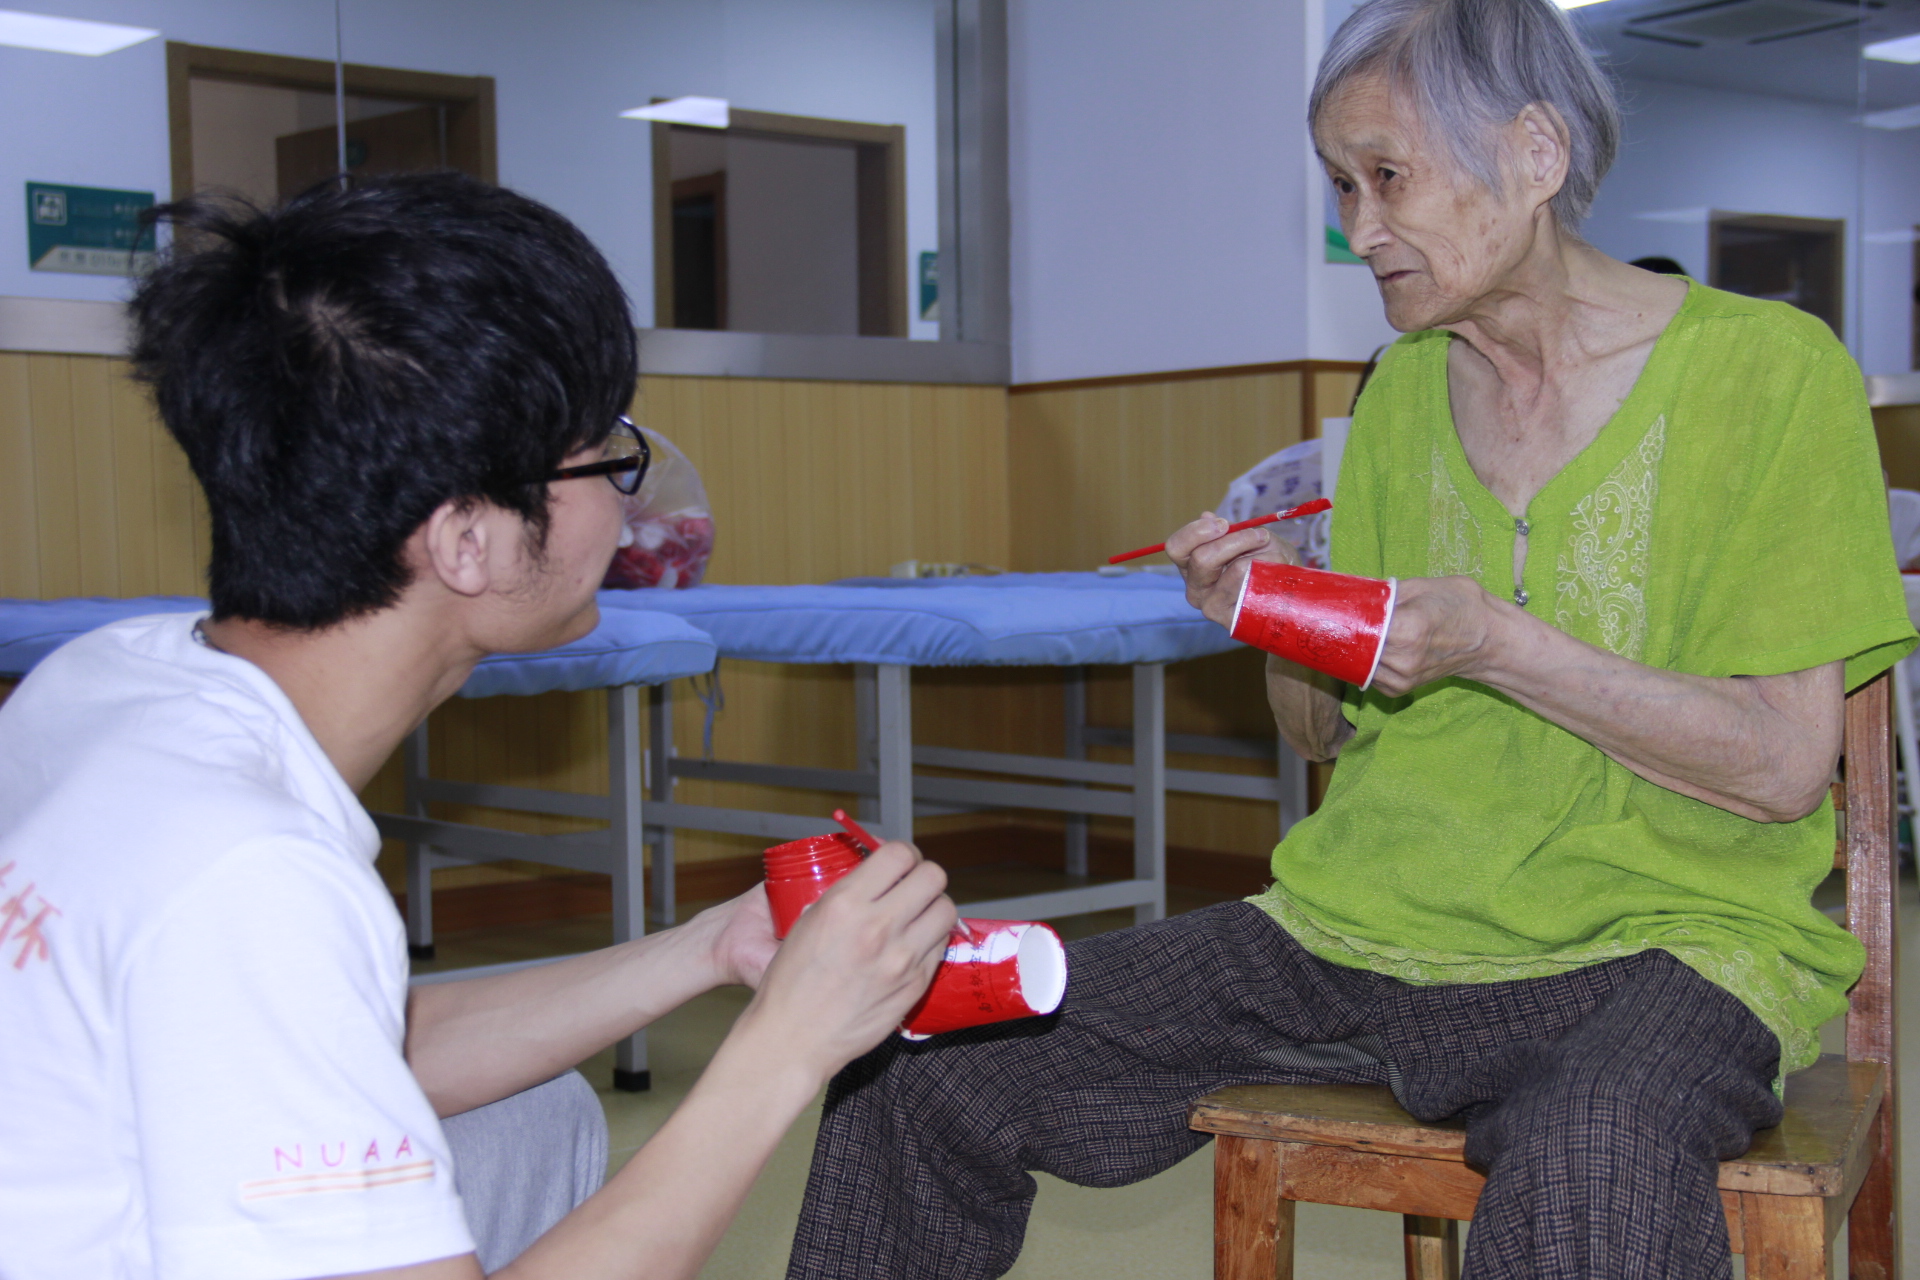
{"x": 1100, "y": 470}
{"x": 1898, "y": 429}
{"x": 809, "y": 481}
{"x": 95, "y": 499}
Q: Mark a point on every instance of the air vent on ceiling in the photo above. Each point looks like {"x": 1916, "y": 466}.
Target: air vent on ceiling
{"x": 1746, "y": 21}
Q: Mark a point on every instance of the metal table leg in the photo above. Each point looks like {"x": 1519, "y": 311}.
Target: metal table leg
{"x": 866, "y": 733}
{"x": 1076, "y": 749}
{"x": 663, "y": 910}
{"x": 893, "y": 699}
{"x": 1293, "y": 788}
{"x": 628, "y": 841}
{"x": 1150, "y": 786}
{"x": 419, "y": 856}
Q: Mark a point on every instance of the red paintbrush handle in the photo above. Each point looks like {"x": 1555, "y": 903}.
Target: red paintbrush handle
{"x": 1313, "y": 508}
{"x": 868, "y": 843}
{"x": 855, "y": 830}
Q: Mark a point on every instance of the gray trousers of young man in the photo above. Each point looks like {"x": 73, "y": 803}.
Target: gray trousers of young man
{"x": 1597, "y": 1101}
{"x": 521, "y": 1164}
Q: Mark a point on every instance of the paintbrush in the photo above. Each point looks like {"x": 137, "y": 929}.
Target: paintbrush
{"x": 867, "y": 842}
{"x": 1304, "y": 509}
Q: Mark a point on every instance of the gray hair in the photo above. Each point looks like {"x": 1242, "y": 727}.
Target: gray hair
{"x": 1474, "y": 65}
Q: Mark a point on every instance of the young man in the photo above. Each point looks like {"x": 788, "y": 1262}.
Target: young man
{"x": 401, "y": 403}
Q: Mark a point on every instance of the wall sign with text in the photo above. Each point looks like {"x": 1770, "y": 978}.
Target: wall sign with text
{"x": 89, "y": 231}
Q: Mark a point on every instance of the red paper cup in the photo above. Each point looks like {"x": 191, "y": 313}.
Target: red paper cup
{"x": 799, "y": 871}
{"x": 1332, "y": 622}
{"x": 1009, "y": 969}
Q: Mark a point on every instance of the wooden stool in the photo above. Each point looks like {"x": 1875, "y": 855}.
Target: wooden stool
{"x": 1834, "y": 1157}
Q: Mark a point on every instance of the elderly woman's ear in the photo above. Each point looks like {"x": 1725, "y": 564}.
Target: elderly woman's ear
{"x": 1538, "y": 151}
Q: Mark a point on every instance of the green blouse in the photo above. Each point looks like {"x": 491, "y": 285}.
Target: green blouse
{"x": 1728, "y": 520}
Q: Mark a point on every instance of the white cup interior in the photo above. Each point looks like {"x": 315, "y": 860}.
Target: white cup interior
{"x": 1042, "y": 965}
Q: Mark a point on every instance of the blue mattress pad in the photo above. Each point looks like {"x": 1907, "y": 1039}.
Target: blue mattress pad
{"x": 625, "y": 648}
{"x": 952, "y": 625}
{"x": 1135, "y": 580}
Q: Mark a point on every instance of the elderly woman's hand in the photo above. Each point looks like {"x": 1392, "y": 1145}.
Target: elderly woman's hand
{"x": 1441, "y": 627}
{"x": 1214, "y": 562}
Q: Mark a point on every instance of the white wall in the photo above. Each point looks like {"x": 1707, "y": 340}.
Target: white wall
{"x": 1166, "y": 206}
{"x": 1345, "y": 317}
{"x": 1156, "y": 185}
{"x": 1689, "y": 150}
{"x": 564, "y": 72}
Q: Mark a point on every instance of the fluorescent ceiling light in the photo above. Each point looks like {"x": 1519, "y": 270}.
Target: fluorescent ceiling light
{"x": 1575, "y": 4}
{"x": 67, "y": 35}
{"x": 1906, "y": 49}
{"x": 1674, "y": 215}
{"x": 708, "y": 113}
{"x": 1898, "y": 118}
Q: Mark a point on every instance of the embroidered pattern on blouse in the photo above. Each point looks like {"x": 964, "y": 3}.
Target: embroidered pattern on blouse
{"x": 1453, "y": 535}
{"x": 1602, "y": 575}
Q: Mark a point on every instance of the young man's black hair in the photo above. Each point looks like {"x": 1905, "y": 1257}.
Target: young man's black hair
{"x": 339, "y": 367}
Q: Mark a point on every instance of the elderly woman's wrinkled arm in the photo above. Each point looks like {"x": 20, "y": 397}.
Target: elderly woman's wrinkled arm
{"x": 1306, "y": 709}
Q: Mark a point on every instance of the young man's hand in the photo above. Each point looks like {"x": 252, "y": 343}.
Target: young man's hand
{"x": 743, "y": 940}
{"x": 856, "y": 962}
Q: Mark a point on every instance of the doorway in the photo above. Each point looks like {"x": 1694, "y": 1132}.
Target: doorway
{"x": 781, "y": 224}
{"x": 263, "y": 126}
{"x": 1792, "y": 260}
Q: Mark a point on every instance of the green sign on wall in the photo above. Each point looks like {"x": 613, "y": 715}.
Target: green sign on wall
{"x": 87, "y": 230}
{"x": 929, "y": 286}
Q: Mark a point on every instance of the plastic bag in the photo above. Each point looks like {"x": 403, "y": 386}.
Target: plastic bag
{"x": 668, "y": 537}
{"x": 1287, "y": 479}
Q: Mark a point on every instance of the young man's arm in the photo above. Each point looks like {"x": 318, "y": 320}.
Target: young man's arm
{"x": 849, "y": 972}
{"x": 474, "y": 1042}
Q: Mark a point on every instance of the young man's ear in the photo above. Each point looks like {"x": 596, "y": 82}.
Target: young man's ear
{"x": 455, "y": 545}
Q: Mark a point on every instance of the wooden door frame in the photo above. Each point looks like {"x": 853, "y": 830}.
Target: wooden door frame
{"x": 470, "y": 118}
{"x": 715, "y": 185}
{"x": 880, "y": 197}
{"x": 1836, "y": 228}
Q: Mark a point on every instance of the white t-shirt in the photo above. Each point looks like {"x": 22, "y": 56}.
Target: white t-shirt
{"x": 202, "y": 985}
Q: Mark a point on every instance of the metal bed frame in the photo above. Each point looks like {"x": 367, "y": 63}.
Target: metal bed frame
{"x": 618, "y": 850}
{"x": 893, "y": 794}
{"x": 640, "y": 810}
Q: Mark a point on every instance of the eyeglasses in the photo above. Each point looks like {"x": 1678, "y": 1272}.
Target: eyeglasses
{"x": 624, "y": 461}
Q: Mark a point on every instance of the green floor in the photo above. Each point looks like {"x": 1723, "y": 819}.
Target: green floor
{"x": 1158, "y": 1228}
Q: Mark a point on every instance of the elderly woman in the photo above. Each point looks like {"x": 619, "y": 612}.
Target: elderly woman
{"x": 1560, "y": 882}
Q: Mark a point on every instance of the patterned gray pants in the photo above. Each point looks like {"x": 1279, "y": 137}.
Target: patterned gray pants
{"x": 1598, "y": 1101}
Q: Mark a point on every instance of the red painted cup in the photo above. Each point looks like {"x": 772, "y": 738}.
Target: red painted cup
{"x": 799, "y": 871}
{"x": 1332, "y": 622}
{"x": 1008, "y": 969}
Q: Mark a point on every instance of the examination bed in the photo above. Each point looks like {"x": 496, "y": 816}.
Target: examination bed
{"x": 885, "y": 628}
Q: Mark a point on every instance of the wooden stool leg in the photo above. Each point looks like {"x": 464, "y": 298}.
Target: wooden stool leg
{"x": 1873, "y": 1225}
{"x": 1252, "y": 1225}
{"x": 1433, "y": 1248}
{"x": 1786, "y": 1237}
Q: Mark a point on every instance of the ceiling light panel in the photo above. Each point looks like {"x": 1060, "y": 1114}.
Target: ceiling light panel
{"x": 707, "y": 113}
{"x": 67, "y": 35}
{"x": 1905, "y": 49}
{"x": 1746, "y": 21}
